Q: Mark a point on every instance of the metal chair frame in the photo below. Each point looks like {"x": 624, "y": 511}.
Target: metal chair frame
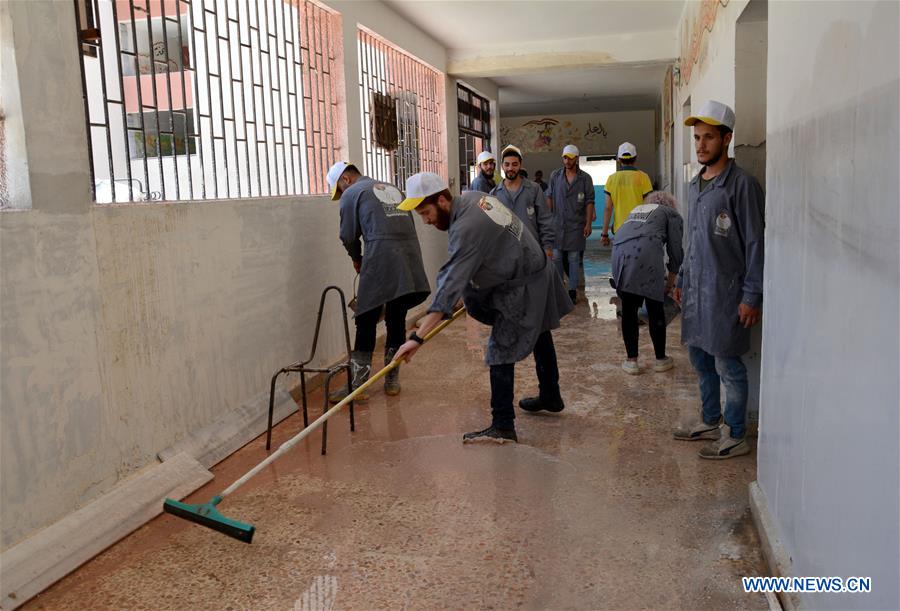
{"x": 302, "y": 367}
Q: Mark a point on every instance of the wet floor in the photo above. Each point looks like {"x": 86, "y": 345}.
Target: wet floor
{"x": 596, "y": 507}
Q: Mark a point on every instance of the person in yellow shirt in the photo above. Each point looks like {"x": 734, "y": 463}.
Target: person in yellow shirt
{"x": 625, "y": 189}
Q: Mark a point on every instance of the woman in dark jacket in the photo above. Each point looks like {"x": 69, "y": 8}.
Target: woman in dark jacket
{"x": 641, "y": 275}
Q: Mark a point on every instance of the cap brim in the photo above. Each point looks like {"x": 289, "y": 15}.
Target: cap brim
{"x": 708, "y": 120}
{"x": 627, "y": 156}
{"x": 335, "y": 194}
{"x": 410, "y": 203}
{"x": 570, "y": 155}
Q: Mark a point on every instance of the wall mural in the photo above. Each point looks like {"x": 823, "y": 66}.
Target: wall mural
{"x": 694, "y": 37}
{"x": 548, "y": 134}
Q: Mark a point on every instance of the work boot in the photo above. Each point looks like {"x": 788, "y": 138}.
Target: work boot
{"x": 492, "y": 435}
{"x": 536, "y": 404}
{"x": 392, "y": 378}
{"x": 697, "y": 430}
{"x": 360, "y": 368}
{"x": 725, "y": 447}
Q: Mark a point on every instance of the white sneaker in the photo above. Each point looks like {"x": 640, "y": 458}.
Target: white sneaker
{"x": 631, "y": 367}
{"x": 696, "y": 430}
{"x": 725, "y": 447}
{"x": 663, "y": 364}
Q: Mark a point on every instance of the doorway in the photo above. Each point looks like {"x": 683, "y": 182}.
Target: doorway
{"x": 750, "y": 56}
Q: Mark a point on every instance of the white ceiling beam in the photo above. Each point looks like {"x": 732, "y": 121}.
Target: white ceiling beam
{"x": 540, "y": 56}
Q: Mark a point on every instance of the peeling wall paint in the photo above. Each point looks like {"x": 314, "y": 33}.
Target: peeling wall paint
{"x": 700, "y": 21}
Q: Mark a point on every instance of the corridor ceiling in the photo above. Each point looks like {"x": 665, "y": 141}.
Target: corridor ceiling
{"x": 556, "y": 56}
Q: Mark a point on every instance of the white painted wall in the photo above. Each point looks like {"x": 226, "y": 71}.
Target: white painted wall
{"x": 125, "y": 327}
{"x": 636, "y": 126}
{"x": 829, "y": 438}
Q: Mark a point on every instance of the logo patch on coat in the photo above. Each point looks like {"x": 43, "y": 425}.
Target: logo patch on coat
{"x": 723, "y": 224}
{"x": 501, "y": 215}
{"x": 390, "y": 197}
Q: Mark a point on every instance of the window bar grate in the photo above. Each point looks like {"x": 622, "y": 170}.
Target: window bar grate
{"x": 233, "y": 99}
{"x": 402, "y": 112}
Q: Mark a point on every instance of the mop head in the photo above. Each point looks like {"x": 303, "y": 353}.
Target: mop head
{"x": 207, "y": 515}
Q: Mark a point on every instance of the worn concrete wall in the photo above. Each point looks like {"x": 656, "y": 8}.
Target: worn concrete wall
{"x": 14, "y": 188}
{"x": 636, "y": 126}
{"x": 122, "y": 328}
{"x": 828, "y": 447}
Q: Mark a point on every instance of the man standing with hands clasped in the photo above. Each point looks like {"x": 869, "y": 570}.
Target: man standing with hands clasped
{"x": 720, "y": 282}
{"x": 571, "y": 194}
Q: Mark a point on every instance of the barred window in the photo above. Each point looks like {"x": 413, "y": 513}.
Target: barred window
{"x": 402, "y": 112}
{"x": 209, "y": 99}
{"x": 474, "y": 117}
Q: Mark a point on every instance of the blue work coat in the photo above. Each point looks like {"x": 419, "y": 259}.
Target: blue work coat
{"x": 503, "y": 276}
{"x": 637, "y": 256}
{"x": 570, "y": 202}
{"x": 392, "y": 260}
{"x": 723, "y": 265}
{"x": 530, "y": 205}
{"x": 482, "y": 183}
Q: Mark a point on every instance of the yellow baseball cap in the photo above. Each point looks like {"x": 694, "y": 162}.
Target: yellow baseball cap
{"x": 570, "y": 151}
{"x": 713, "y": 113}
{"x": 419, "y": 186}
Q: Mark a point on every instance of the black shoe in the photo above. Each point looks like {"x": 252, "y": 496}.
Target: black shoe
{"x": 573, "y": 295}
{"x": 536, "y": 404}
{"x": 491, "y": 434}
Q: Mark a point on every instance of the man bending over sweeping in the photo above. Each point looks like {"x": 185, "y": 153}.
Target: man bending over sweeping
{"x": 391, "y": 275}
{"x": 506, "y": 281}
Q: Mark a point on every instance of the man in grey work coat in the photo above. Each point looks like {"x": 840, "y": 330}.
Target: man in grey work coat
{"x": 571, "y": 193}
{"x": 486, "y": 165}
{"x": 526, "y": 199}
{"x": 391, "y": 275}
{"x": 506, "y": 281}
{"x": 720, "y": 283}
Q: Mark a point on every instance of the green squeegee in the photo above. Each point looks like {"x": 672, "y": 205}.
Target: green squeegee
{"x": 207, "y": 514}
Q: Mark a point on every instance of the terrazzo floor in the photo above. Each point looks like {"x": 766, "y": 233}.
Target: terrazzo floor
{"x": 596, "y": 508}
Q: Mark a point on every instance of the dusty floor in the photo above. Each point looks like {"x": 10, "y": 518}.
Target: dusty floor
{"x": 596, "y": 507}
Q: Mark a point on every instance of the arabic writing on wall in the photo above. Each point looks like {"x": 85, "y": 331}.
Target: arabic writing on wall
{"x": 548, "y": 134}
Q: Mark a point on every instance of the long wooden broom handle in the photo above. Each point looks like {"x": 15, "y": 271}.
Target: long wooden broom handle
{"x": 287, "y": 445}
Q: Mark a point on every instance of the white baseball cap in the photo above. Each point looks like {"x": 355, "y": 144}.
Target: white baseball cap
{"x": 713, "y": 113}
{"x": 334, "y": 173}
{"x": 570, "y": 151}
{"x": 419, "y": 186}
{"x": 485, "y": 156}
{"x": 627, "y": 150}
{"x": 511, "y": 148}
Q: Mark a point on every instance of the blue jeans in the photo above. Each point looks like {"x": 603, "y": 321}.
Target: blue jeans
{"x": 574, "y": 259}
{"x": 730, "y": 371}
